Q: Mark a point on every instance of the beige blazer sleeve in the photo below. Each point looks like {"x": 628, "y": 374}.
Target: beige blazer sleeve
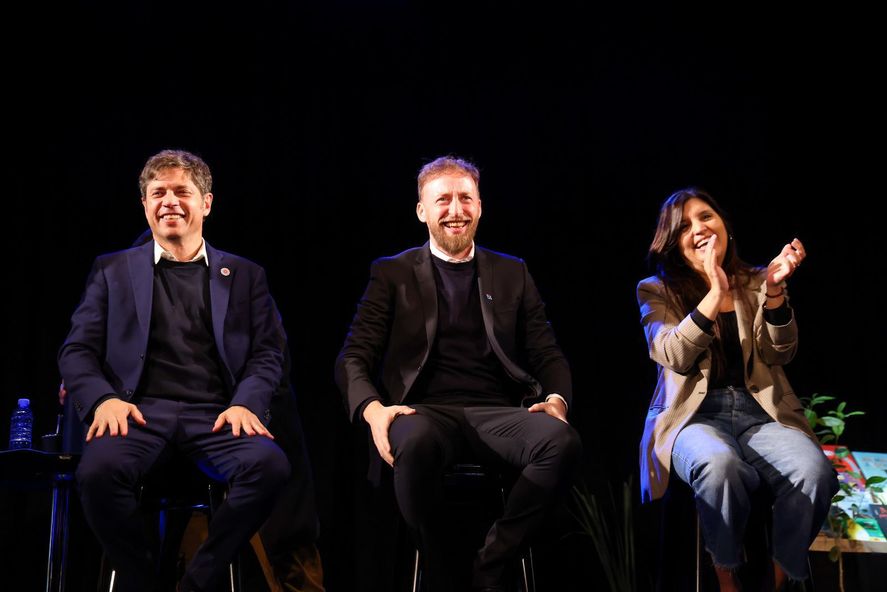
{"x": 681, "y": 351}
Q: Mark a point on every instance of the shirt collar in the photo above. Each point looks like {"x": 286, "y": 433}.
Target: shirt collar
{"x": 441, "y": 255}
{"x": 161, "y": 253}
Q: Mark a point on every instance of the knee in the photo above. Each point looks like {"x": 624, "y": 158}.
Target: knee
{"x": 103, "y": 471}
{"x": 563, "y": 445}
{"x": 277, "y": 466}
{"x": 414, "y": 444}
{"x": 722, "y": 467}
{"x": 414, "y": 450}
{"x": 819, "y": 478}
{"x": 272, "y": 466}
{"x": 568, "y": 444}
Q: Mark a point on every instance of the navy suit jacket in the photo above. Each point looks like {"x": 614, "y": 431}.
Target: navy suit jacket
{"x": 104, "y": 353}
{"x": 396, "y": 324}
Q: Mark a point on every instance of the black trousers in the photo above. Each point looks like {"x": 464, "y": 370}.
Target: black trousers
{"x": 544, "y": 449}
{"x": 112, "y": 469}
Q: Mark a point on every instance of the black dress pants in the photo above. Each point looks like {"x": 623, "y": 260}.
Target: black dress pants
{"x": 544, "y": 449}
{"x": 111, "y": 470}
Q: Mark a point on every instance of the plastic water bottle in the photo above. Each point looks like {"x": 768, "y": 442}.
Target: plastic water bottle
{"x": 21, "y": 425}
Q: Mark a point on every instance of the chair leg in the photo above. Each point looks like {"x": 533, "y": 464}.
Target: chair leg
{"x": 233, "y": 578}
{"x": 262, "y": 556}
{"x": 524, "y": 580}
{"x": 528, "y": 576}
{"x": 698, "y": 556}
{"x": 417, "y": 574}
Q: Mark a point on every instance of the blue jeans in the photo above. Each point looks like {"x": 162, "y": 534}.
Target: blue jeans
{"x": 729, "y": 447}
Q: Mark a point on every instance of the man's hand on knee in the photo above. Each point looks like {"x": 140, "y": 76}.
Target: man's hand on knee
{"x": 379, "y": 417}
{"x": 111, "y": 415}
{"x": 241, "y": 418}
{"x": 554, "y": 407}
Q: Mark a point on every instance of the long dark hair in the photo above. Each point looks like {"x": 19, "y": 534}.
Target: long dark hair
{"x": 684, "y": 286}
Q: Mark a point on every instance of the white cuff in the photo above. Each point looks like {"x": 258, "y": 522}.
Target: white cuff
{"x": 557, "y": 396}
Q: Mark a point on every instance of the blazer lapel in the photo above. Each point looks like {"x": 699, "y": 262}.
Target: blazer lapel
{"x": 141, "y": 275}
{"x": 428, "y": 293}
{"x": 220, "y": 279}
{"x": 485, "y": 289}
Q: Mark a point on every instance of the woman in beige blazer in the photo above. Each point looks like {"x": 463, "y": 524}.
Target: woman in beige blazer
{"x": 723, "y": 414}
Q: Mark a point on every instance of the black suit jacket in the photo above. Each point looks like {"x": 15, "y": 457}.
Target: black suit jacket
{"x": 396, "y": 323}
{"x": 104, "y": 353}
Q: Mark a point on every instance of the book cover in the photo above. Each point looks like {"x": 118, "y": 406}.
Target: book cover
{"x": 873, "y": 464}
{"x": 845, "y": 465}
{"x": 857, "y": 502}
{"x": 879, "y": 513}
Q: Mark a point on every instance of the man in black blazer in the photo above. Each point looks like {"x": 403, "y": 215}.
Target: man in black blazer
{"x": 449, "y": 354}
{"x": 176, "y": 347}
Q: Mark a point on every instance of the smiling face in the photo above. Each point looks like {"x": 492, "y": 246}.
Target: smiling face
{"x": 175, "y": 209}
{"x": 450, "y": 206}
{"x": 699, "y": 222}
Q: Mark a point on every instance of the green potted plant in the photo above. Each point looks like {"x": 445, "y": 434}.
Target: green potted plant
{"x": 829, "y": 427}
{"x": 610, "y": 526}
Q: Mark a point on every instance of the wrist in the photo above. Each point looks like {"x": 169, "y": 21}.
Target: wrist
{"x": 774, "y": 291}
{"x": 557, "y": 402}
{"x": 718, "y": 294}
{"x": 370, "y": 409}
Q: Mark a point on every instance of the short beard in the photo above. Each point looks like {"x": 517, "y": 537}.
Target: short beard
{"x": 454, "y": 245}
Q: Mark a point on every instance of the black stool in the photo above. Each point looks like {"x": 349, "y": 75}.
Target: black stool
{"x": 173, "y": 493}
{"x": 464, "y": 483}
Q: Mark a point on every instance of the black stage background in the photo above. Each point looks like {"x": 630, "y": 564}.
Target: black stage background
{"x": 315, "y": 117}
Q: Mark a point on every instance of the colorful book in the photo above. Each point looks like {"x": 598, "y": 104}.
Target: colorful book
{"x": 846, "y": 466}
{"x": 879, "y": 513}
{"x": 873, "y": 464}
{"x": 858, "y": 502}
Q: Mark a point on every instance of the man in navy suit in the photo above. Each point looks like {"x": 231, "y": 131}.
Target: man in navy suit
{"x": 175, "y": 348}
{"x": 450, "y": 354}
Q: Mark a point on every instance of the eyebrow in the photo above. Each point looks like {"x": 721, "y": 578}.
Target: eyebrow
{"x": 173, "y": 187}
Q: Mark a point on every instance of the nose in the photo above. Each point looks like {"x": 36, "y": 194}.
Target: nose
{"x": 455, "y": 206}
{"x": 698, "y": 227}
{"x": 170, "y": 199}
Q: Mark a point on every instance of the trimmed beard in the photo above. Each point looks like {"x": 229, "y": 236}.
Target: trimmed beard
{"x": 451, "y": 244}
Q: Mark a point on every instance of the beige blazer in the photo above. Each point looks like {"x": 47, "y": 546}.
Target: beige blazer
{"x": 681, "y": 351}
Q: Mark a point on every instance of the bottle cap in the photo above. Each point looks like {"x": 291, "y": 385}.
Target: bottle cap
{"x": 24, "y": 403}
